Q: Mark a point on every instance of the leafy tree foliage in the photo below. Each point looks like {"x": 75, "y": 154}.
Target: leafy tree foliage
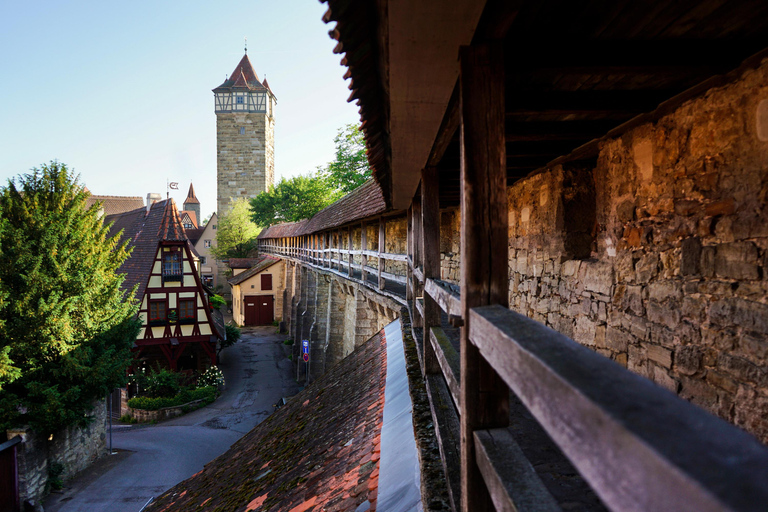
{"x": 291, "y": 200}
{"x": 350, "y": 168}
{"x": 67, "y": 327}
{"x": 236, "y": 234}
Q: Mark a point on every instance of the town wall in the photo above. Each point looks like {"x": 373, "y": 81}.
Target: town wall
{"x": 655, "y": 254}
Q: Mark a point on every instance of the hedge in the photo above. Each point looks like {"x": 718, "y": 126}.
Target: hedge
{"x": 207, "y": 394}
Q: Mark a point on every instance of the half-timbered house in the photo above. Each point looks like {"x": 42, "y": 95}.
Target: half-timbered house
{"x": 179, "y": 329}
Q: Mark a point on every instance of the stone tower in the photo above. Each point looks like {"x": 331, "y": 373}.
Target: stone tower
{"x": 245, "y": 136}
{"x": 193, "y": 205}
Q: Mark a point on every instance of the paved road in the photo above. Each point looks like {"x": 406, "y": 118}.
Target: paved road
{"x": 154, "y": 458}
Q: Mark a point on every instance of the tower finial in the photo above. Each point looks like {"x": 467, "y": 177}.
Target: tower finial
{"x": 246, "y": 44}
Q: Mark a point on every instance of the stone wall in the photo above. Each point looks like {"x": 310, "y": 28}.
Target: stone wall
{"x": 656, "y": 254}
{"x": 74, "y": 447}
{"x": 245, "y": 161}
{"x": 450, "y": 245}
{"x": 396, "y": 237}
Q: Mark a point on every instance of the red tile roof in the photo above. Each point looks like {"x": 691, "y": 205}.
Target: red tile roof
{"x": 243, "y": 77}
{"x": 115, "y": 204}
{"x": 243, "y": 262}
{"x": 194, "y": 234}
{"x": 263, "y": 263}
{"x": 191, "y": 198}
{"x": 143, "y": 230}
{"x": 319, "y": 451}
{"x": 365, "y": 201}
{"x": 171, "y": 227}
{"x": 192, "y": 217}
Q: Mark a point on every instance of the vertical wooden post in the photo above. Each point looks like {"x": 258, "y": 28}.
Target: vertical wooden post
{"x": 382, "y": 249}
{"x": 339, "y": 247}
{"x": 430, "y": 235}
{"x": 416, "y": 234}
{"x": 409, "y": 254}
{"x": 363, "y": 248}
{"x": 484, "y": 396}
{"x": 350, "y": 247}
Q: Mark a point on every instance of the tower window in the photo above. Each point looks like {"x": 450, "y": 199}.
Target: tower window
{"x": 242, "y": 131}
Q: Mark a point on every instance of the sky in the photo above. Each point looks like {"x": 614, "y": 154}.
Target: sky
{"x": 121, "y": 91}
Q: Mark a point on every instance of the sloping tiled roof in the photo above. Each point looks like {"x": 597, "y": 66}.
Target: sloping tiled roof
{"x": 171, "y": 227}
{"x": 191, "y": 198}
{"x": 115, "y": 204}
{"x": 194, "y": 234}
{"x": 319, "y": 451}
{"x": 263, "y": 263}
{"x": 192, "y": 216}
{"x": 243, "y": 77}
{"x": 243, "y": 262}
{"x": 143, "y": 230}
{"x": 365, "y": 201}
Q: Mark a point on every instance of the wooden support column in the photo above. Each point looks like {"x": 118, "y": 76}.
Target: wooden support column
{"x": 363, "y": 247}
{"x": 351, "y": 248}
{"x": 416, "y": 291}
{"x": 430, "y": 236}
{"x": 484, "y": 396}
{"x": 382, "y": 249}
{"x": 409, "y": 259}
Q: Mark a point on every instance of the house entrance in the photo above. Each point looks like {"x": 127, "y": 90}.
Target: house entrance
{"x": 259, "y": 309}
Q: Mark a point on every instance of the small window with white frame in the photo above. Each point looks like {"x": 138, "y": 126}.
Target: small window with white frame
{"x": 206, "y": 243}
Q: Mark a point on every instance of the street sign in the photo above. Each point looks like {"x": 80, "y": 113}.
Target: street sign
{"x": 305, "y": 350}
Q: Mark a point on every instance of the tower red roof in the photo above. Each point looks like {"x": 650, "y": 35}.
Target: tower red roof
{"x": 191, "y": 198}
{"x": 242, "y": 77}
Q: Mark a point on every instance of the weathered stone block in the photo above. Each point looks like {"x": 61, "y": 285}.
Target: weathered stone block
{"x": 660, "y": 291}
{"x": 660, "y": 355}
{"x": 687, "y": 360}
{"x": 751, "y": 316}
{"x": 598, "y": 277}
{"x": 662, "y": 378}
{"x": 690, "y": 256}
{"x": 617, "y": 340}
{"x": 647, "y": 267}
{"x": 668, "y": 315}
{"x": 584, "y": 331}
{"x": 570, "y": 268}
{"x": 736, "y": 260}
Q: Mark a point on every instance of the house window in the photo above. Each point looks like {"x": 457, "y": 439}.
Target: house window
{"x": 156, "y": 311}
{"x": 202, "y": 260}
{"x": 206, "y": 243}
{"x": 240, "y": 100}
{"x": 266, "y": 281}
{"x": 208, "y": 280}
{"x": 172, "y": 266}
{"x": 214, "y": 226}
{"x": 187, "y": 225}
{"x": 186, "y": 309}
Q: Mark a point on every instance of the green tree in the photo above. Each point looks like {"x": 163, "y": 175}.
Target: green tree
{"x": 67, "y": 328}
{"x": 291, "y": 200}
{"x": 236, "y": 234}
{"x": 350, "y": 168}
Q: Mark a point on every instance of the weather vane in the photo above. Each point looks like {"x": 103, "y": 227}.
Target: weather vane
{"x": 246, "y": 44}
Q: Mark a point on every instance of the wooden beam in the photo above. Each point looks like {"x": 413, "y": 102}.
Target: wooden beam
{"x": 363, "y": 256}
{"x": 484, "y": 396}
{"x": 382, "y": 249}
{"x": 430, "y": 232}
{"x": 448, "y": 362}
{"x": 447, "y": 130}
{"x": 637, "y": 445}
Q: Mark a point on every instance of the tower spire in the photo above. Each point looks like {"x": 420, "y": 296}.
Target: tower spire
{"x": 246, "y": 44}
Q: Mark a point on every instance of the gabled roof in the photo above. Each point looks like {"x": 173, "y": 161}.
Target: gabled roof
{"x": 320, "y": 450}
{"x": 242, "y": 78}
{"x": 191, "y": 198}
{"x": 143, "y": 230}
{"x": 365, "y": 201}
{"x": 263, "y": 263}
{"x": 191, "y": 214}
{"x": 194, "y": 234}
{"x": 115, "y": 204}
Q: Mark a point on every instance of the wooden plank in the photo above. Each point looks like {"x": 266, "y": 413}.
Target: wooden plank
{"x": 509, "y": 475}
{"x": 382, "y": 249}
{"x": 448, "y": 360}
{"x": 418, "y": 274}
{"x": 447, "y": 299}
{"x": 447, "y": 432}
{"x": 362, "y": 251}
{"x": 430, "y": 233}
{"x": 637, "y": 445}
{"x": 484, "y": 396}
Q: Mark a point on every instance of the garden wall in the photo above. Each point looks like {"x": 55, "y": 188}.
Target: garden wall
{"x": 74, "y": 447}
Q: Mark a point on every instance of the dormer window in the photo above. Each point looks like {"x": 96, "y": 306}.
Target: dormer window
{"x": 172, "y": 266}
{"x": 240, "y": 100}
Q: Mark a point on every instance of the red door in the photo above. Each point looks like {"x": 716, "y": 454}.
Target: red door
{"x": 259, "y": 309}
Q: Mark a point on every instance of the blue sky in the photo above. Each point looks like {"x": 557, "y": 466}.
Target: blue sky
{"x": 121, "y": 91}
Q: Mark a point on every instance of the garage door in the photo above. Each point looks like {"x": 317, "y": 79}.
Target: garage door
{"x": 259, "y": 309}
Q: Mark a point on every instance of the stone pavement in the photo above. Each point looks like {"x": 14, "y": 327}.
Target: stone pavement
{"x": 151, "y": 459}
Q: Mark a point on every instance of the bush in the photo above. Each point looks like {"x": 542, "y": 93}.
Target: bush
{"x": 207, "y": 394}
{"x": 216, "y": 301}
{"x": 55, "y": 470}
{"x": 211, "y": 377}
{"x": 158, "y": 382}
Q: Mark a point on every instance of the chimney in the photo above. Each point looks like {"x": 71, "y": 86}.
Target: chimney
{"x": 151, "y": 198}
